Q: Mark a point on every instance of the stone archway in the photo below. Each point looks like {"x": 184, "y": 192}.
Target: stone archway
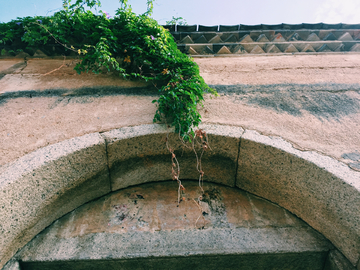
{"x": 41, "y": 187}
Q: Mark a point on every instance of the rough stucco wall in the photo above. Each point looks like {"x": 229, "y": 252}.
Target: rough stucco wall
{"x": 312, "y": 101}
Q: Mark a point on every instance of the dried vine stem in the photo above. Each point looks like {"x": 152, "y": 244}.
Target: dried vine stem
{"x": 175, "y": 167}
{"x": 200, "y": 138}
{"x": 201, "y": 134}
{"x": 201, "y": 215}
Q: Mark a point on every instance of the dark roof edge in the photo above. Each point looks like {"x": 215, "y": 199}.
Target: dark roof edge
{"x": 239, "y": 27}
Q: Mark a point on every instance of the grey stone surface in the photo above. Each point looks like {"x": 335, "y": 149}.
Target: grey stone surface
{"x": 12, "y": 265}
{"x": 337, "y": 261}
{"x": 46, "y": 184}
{"x": 290, "y": 244}
{"x": 47, "y": 247}
{"x": 318, "y": 189}
{"x": 139, "y": 155}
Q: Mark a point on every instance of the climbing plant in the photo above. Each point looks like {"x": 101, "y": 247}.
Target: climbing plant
{"x": 134, "y": 46}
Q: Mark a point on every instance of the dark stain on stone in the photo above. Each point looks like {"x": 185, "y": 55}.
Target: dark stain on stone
{"x": 212, "y": 194}
{"x": 15, "y": 68}
{"x": 324, "y": 101}
{"x": 84, "y": 94}
{"x": 217, "y": 216}
{"x": 354, "y": 156}
{"x": 121, "y": 212}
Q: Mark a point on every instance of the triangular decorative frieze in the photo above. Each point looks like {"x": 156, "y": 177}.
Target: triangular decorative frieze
{"x": 246, "y": 39}
{"x": 308, "y": 48}
{"x": 239, "y": 49}
{"x": 201, "y": 39}
{"x": 278, "y": 38}
{"x": 262, "y": 38}
{"x": 257, "y": 50}
{"x": 295, "y": 37}
{"x": 330, "y": 36}
{"x": 355, "y": 48}
{"x": 187, "y": 40}
{"x": 216, "y": 39}
{"x": 273, "y": 49}
{"x": 207, "y": 50}
{"x": 231, "y": 39}
{"x": 324, "y": 48}
{"x": 313, "y": 37}
{"x": 346, "y": 37}
{"x": 192, "y": 51}
{"x": 291, "y": 49}
{"x": 224, "y": 50}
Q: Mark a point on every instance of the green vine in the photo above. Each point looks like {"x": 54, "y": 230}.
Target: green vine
{"x": 134, "y": 46}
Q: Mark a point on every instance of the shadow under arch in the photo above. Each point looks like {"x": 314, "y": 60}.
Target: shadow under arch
{"x": 42, "y": 186}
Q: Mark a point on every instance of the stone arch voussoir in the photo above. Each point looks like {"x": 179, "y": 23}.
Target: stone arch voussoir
{"x": 42, "y": 186}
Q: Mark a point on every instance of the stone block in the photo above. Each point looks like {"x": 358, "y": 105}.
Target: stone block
{"x": 355, "y": 48}
{"x": 313, "y": 37}
{"x": 295, "y": 37}
{"x": 303, "y": 34}
{"x": 12, "y": 265}
{"x": 262, "y": 38}
{"x": 250, "y": 46}
{"x": 231, "y": 38}
{"x": 139, "y": 154}
{"x": 208, "y": 50}
{"x": 257, "y": 50}
{"x": 246, "y": 39}
{"x": 345, "y": 37}
{"x": 278, "y": 38}
{"x": 216, "y": 39}
{"x": 291, "y": 49}
{"x": 238, "y": 49}
{"x": 224, "y": 50}
{"x": 337, "y": 261}
{"x": 330, "y": 36}
{"x": 272, "y": 49}
{"x": 324, "y": 48}
{"x": 322, "y": 191}
{"x": 307, "y": 48}
{"x": 192, "y": 51}
{"x": 46, "y": 184}
{"x": 201, "y": 39}
{"x": 187, "y": 40}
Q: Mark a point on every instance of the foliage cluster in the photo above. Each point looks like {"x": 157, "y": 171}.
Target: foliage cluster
{"x": 134, "y": 46}
{"x": 176, "y": 20}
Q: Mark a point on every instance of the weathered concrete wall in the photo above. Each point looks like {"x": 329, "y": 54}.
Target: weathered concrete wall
{"x": 312, "y": 102}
